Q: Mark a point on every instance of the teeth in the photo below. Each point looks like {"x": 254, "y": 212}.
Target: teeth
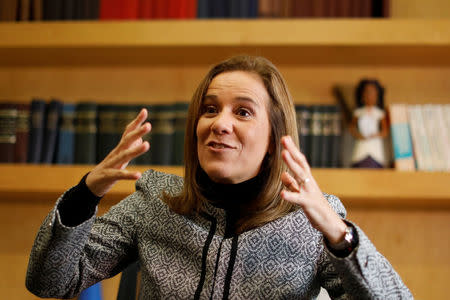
{"x": 218, "y": 146}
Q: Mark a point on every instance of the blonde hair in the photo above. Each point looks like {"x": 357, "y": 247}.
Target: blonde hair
{"x": 269, "y": 205}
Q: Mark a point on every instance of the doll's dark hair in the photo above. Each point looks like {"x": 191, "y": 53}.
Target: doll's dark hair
{"x": 360, "y": 89}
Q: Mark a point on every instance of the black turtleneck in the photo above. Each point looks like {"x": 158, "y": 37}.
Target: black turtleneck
{"x": 233, "y": 198}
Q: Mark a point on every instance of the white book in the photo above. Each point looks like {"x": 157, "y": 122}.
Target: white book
{"x": 414, "y": 127}
{"x": 443, "y": 138}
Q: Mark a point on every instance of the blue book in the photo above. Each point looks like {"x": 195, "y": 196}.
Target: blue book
{"x": 181, "y": 110}
{"x": 66, "y": 141}
{"x": 252, "y": 9}
{"x": 52, "y": 120}
{"x": 37, "y": 121}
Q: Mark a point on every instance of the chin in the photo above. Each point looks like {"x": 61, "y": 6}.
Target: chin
{"x": 218, "y": 175}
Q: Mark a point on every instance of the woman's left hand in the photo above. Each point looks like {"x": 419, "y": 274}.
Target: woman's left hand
{"x": 303, "y": 190}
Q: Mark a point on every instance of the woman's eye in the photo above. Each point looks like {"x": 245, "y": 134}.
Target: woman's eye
{"x": 242, "y": 112}
{"x": 209, "y": 109}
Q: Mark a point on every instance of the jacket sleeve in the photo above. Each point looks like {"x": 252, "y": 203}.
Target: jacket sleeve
{"x": 64, "y": 260}
{"x": 363, "y": 274}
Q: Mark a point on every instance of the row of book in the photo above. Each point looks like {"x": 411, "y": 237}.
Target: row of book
{"x": 421, "y": 136}
{"x": 36, "y": 10}
{"x": 320, "y": 134}
{"x": 56, "y": 132}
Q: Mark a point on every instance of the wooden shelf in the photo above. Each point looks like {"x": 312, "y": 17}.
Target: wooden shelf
{"x": 356, "y": 188}
{"x": 339, "y": 41}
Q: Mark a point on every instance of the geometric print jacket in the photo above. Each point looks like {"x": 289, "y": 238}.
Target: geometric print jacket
{"x": 189, "y": 258}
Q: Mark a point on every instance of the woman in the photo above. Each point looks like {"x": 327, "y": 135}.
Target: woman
{"x": 248, "y": 221}
{"x": 369, "y": 125}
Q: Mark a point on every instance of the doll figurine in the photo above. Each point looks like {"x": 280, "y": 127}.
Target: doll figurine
{"x": 369, "y": 125}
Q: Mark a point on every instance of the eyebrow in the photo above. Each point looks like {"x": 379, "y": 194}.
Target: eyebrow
{"x": 239, "y": 98}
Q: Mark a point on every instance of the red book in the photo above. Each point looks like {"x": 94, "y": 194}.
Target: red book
{"x": 145, "y": 10}
{"x": 129, "y": 9}
{"x": 191, "y": 9}
{"x": 110, "y": 9}
{"x": 344, "y": 8}
{"x": 161, "y": 8}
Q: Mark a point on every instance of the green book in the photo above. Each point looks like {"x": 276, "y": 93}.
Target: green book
{"x": 145, "y": 159}
{"x": 161, "y": 139}
{"x": 109, "y": 133}
{"x": 125, "y": 115}
{"x": 85, "y": 133}
{"x": 181, "y": 110}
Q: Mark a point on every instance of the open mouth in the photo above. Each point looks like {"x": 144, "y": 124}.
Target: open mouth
{"x": 216, "y": 145}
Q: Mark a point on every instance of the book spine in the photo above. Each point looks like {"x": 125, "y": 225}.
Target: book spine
{"x": 162, "y": 134}
{"x": 69, "y": 9}
{"x": 66, "y": 142}
{"x": 336, "y": 137}
{"x": 203, "y": 9}
{"x": 181, "y": 110}
{"x": 24, "y": 10}
{"x": 265, "y": 8}
{"x": 22, "y": 132}
{"x": 36, "y": 10}
{"x": 303, "y": 113}
{"x": 53, "y": 115}
{"x": 37, "y": 123}
{"x": 85, "y": 133}
{"x": 401, "y": 138}
{"x": 327, "y": 131}
{"x": 145, "y": 9}
{"x": 8, "y": 118}
{"x": 316, "y": 135}
{"x": 441, "y": 138}
{"x": 415, "y": 137}
{"x": 109, "y": 132}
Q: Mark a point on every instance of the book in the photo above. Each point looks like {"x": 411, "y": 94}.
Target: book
{"x": 110, "y": 9}
{"x": 401, "y": 138}
{"x": 265, "y": 8}
{"x": 36, "y": 10}
{"x": 69, "y": 9}
{"x": 85, "y": 133}
{"x": 336, "y": 137}
{"x": 327, "y": 131}
{"x": 161, "y": 138}
{"x": 219, "y": 9}
{"x": 303, "y": 113}
{"x": 129, "y": 9}
{"x": 302, "y": 9}
{"x": 203, "y": 9}
{"x": 37, "y": 123}
{"x": 316, "y": 135}
{"x": 66, "y": 141}
{"x": 145, "y": 10}
{"x": 180, "y": 111}
{"x": 51, "y": 128}
{"x": 22, "y": 132}
{"x": 8, "y": 118}
{"x": 109, "y": 132}
{"x": 24, "y": 10}
{"x": 161, "y": 9}
{"x": 8, "y": 10}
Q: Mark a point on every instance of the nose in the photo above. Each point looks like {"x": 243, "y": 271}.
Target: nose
{"x": 222, "y": 123}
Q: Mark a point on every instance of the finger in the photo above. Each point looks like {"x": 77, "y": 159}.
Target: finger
{"x": 117, "y": 174}
{"x": 133, "y": 136}
{"x": 298, "y": 173}
{"x": 124, "y": 157}
{"x": 140, "y": 118}
{"x": 289, "y": 182}
{"x": 299, "y": 157}
{"x": 292, "y": 197}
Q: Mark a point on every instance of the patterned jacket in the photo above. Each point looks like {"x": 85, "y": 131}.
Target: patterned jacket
{"x": 189, "y": 258}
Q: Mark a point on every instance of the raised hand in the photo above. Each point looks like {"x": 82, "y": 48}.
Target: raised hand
{"x": 102, "y": 178}
{"x": 303, "y": 190}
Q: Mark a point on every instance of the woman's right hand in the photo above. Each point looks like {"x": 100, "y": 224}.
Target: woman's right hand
{"x": 102, "y": 178}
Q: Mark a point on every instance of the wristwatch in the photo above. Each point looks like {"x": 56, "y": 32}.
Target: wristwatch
{"x": 346, "y": 246}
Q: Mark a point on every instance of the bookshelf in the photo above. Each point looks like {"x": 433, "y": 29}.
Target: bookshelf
{"x": 356, "y": 188}
{"x": 158, "y": 61}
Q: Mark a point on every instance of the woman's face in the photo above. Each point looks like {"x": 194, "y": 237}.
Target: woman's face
{"x": 233, "y": 130}
{"x": 370, "y": 95}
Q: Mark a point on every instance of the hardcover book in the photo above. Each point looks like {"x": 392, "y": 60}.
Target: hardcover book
{"x": 37, "y": 123}
{"x": 66, "y": 142}
{"x": 22, "y": 132}
{"x": 52, "y": 120}
{"x": 86, "y": 133}
{"x": 8, "y": 117}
